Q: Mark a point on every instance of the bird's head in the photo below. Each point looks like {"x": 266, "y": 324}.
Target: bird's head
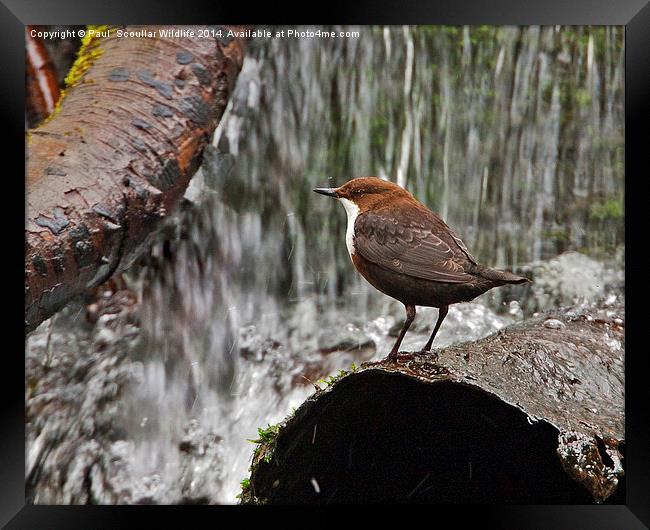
{"x": 365, "y": 193}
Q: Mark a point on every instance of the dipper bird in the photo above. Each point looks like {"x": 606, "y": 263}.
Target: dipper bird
{"x": 408, "y": 252}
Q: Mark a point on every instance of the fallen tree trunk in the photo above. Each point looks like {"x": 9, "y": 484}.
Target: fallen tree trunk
{"x": 531, "y": 414}
{"x": 118, "y": 153}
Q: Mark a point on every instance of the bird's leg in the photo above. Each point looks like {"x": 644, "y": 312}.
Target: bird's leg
{"x": 442, "y": 313}
{"x": 410, "y": 316}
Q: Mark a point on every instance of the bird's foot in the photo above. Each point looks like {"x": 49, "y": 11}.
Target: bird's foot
{"x": 394, "y": 357}
{"x": 424, "y": 354}
{"x": 428, "y": 353}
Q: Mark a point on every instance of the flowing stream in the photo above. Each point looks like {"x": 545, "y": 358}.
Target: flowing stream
{"x": 248, "y": 298}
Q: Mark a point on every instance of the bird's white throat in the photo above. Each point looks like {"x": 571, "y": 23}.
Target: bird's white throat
{"x": 352, "y": 210}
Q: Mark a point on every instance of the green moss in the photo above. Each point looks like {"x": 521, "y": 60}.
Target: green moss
{"x": 610, "y": 208}
{"x": 342, "y": 373}
{"x": 245, "y": 489}
{"x": 86, "y": 56}
{"x": 265, "y": 443}
{"x": 263, "y": 453}
{"x": 266, "y": 435}
{"x": 559, "y": 236}
{"x": 583, "y": 97}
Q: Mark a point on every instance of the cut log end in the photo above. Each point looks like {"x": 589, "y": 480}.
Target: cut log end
{"x": 424, "y": 431}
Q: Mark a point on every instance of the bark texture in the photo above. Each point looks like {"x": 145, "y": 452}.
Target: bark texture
{"x": 531, "y": 414}
{"x": 116, "y": 156}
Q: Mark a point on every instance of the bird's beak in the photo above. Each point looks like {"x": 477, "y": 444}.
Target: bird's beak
{"x": 330, "y": 192}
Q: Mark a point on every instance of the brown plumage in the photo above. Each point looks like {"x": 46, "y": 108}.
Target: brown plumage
{"x": 408, "y": 252}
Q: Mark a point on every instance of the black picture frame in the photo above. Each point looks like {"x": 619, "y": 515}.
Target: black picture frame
{"x": 634, "y": 14}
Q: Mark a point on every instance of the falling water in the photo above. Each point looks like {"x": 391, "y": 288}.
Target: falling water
{"x": 514, "y": 135}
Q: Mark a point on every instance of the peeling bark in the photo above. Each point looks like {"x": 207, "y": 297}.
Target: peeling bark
{"x": 116, "y": 157}
{"x": 531, "y": 414}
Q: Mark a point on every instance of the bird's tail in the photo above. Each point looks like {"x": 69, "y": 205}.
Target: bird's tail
{"x": 502, "y": 277}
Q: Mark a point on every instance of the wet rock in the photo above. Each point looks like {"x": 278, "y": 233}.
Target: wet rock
{"x": 554, "y": 323}
{"x": 345, "y": 338}
{"x": 111, "y": 298}
{"x": 150, "y": 490}
{"x": 75, "y": 373}
{"x": 571, "y": 278}
{"x": 202, "y": 467}
{"x": 78, "y": 452}
{"x": 254, "y": 347}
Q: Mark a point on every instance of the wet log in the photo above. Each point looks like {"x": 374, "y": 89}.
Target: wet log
{"x": 533, "y": 413}
{"x": 118, "y": 152}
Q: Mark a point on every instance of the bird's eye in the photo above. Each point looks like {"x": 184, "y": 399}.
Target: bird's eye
{"x": 357, "y": 193}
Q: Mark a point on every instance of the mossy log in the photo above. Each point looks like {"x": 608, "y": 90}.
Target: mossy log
{"x": 533, "y": 413}
{"x": 117, "y": 153}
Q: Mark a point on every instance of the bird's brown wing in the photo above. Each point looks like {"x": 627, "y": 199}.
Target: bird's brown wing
{"x": 460, "y": 243}
{"x": 412, "y": 243}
